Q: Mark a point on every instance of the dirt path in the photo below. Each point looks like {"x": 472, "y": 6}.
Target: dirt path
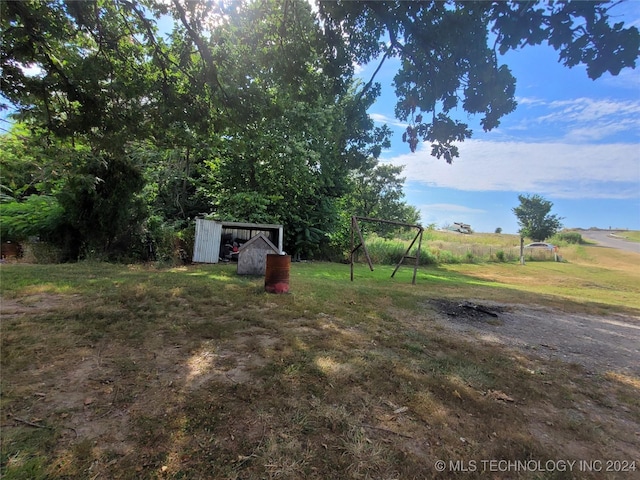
{"x": 600, "y": 344}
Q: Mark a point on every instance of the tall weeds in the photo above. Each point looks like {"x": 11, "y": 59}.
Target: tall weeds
{"x": 438, "y": 249}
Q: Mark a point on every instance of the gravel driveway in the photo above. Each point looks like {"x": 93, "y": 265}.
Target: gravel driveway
{"x": 611, "y": 239}
{"x": 600, "y": 344}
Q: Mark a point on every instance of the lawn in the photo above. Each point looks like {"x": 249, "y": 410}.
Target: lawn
{"x": 112, "y": 371}
{"x": 634, "y": 236}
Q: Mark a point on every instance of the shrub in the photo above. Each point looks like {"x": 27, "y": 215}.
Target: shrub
{"x": 447, "y": 257}
{"x": 427, "y": 257}
{"x": 42, "y": 253}
{"x": 165, "y": 242}
{"x": 572, "y": 238}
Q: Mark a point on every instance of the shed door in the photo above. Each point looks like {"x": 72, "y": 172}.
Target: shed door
{"x": 207, "y": 243}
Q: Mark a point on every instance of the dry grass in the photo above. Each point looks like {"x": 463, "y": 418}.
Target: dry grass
{"x": 594, "y": 280}
{"x": 132, "y": 372}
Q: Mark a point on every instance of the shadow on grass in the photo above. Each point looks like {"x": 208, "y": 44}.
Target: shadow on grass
{"x": 197, "y": 373}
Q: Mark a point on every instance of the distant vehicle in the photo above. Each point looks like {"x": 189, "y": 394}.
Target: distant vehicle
{"x": 460, "y": 227}
{"x": 547, "y": 246}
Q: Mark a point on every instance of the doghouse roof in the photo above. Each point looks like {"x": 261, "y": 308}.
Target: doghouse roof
{"x": 257, "y": 240}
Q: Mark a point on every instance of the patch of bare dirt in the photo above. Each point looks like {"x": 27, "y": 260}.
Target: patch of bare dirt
{"x": 34, "y": 304}
{"x": 607, "y": 346}
{"x": 599, "y": 344}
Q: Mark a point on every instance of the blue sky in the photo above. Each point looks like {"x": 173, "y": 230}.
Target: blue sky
{"x": 572, "y": 140}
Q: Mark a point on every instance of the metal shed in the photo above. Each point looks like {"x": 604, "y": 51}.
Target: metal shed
{"x": 211, "y": 236}
{"x": 252, "y": 258}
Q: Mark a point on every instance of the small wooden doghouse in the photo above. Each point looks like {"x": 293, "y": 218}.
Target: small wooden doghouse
{"x": 252, "y": 258}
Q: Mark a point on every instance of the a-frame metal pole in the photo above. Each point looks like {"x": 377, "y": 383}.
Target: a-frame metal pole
{"x": 415, "y": 268}
{"x": 356, "y": 227}
{"x": 353, "y": 219}
{"x": 406, "y": 254}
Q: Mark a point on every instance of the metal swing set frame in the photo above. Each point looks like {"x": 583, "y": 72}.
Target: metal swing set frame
{"x": 355, "y": 228}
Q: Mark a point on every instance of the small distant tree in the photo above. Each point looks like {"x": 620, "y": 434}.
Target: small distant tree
{"x": 534, "y": 218}
{"x": 499, "y": 230}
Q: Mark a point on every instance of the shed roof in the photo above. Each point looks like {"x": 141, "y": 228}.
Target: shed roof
{"x": 252, "y": 226}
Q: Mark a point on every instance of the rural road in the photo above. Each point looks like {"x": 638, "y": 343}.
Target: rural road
{"x": 607, "y": 238}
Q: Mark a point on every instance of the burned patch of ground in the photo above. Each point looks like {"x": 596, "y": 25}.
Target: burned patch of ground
{"x": 469, "y": 310}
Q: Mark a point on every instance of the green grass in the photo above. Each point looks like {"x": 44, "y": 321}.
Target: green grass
{"x": 196, "y": 372}
{"x": 634, "y": 236}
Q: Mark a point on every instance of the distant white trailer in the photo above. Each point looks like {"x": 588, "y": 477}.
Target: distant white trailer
{"x": 461, "y": 227}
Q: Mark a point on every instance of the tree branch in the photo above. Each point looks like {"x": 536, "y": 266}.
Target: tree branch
{"x": 203, "y": 49}
{"x": 370, "y": 82}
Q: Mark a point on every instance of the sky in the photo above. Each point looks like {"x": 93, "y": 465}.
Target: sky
{"x": 572, "y": 140}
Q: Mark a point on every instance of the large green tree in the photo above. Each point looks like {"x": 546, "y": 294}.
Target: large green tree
{"x": 295, "y": 131}
{"x": 377, "y": 192}
{"x": 80, "y": 78}
{"x": 243, "y": 111}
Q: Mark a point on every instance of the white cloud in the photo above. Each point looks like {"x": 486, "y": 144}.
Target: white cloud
{"x": 357, "y": 68}
{"x": 522, "y": 101}
{"x": 582, "y": 119}
{"x": 563, "y": 170}
{"x": 600, "y": 131}
{"x": 381, "y": 118}
{"x": 590, "y": 110}
{"x": 627, "y": 78}
{"x": 451, "y": 208}
{"x": 443, "y": 214}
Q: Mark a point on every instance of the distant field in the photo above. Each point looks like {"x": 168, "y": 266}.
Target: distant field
{"x": 632, "y": 235}
{"x": 443, "y": 247}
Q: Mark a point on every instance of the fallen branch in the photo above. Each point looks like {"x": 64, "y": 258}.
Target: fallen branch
{"x": 386, "y": 430}
{"x": 37, "y": 425}
{"x": 31, "y": 424}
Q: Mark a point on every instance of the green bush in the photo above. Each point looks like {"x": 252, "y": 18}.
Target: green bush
{"x": 385, "y": 252}
{"x": 567, "y": 238}
{"x": 41, "y": 253}
{"x": 167, "y": 243}
{"x": 427, "y": 257}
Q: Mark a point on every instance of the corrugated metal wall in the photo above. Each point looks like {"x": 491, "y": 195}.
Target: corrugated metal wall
{"x": 207, "y": 244}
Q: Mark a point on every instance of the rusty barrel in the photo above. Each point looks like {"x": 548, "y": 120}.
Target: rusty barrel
{"x": 276, "y": 278}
